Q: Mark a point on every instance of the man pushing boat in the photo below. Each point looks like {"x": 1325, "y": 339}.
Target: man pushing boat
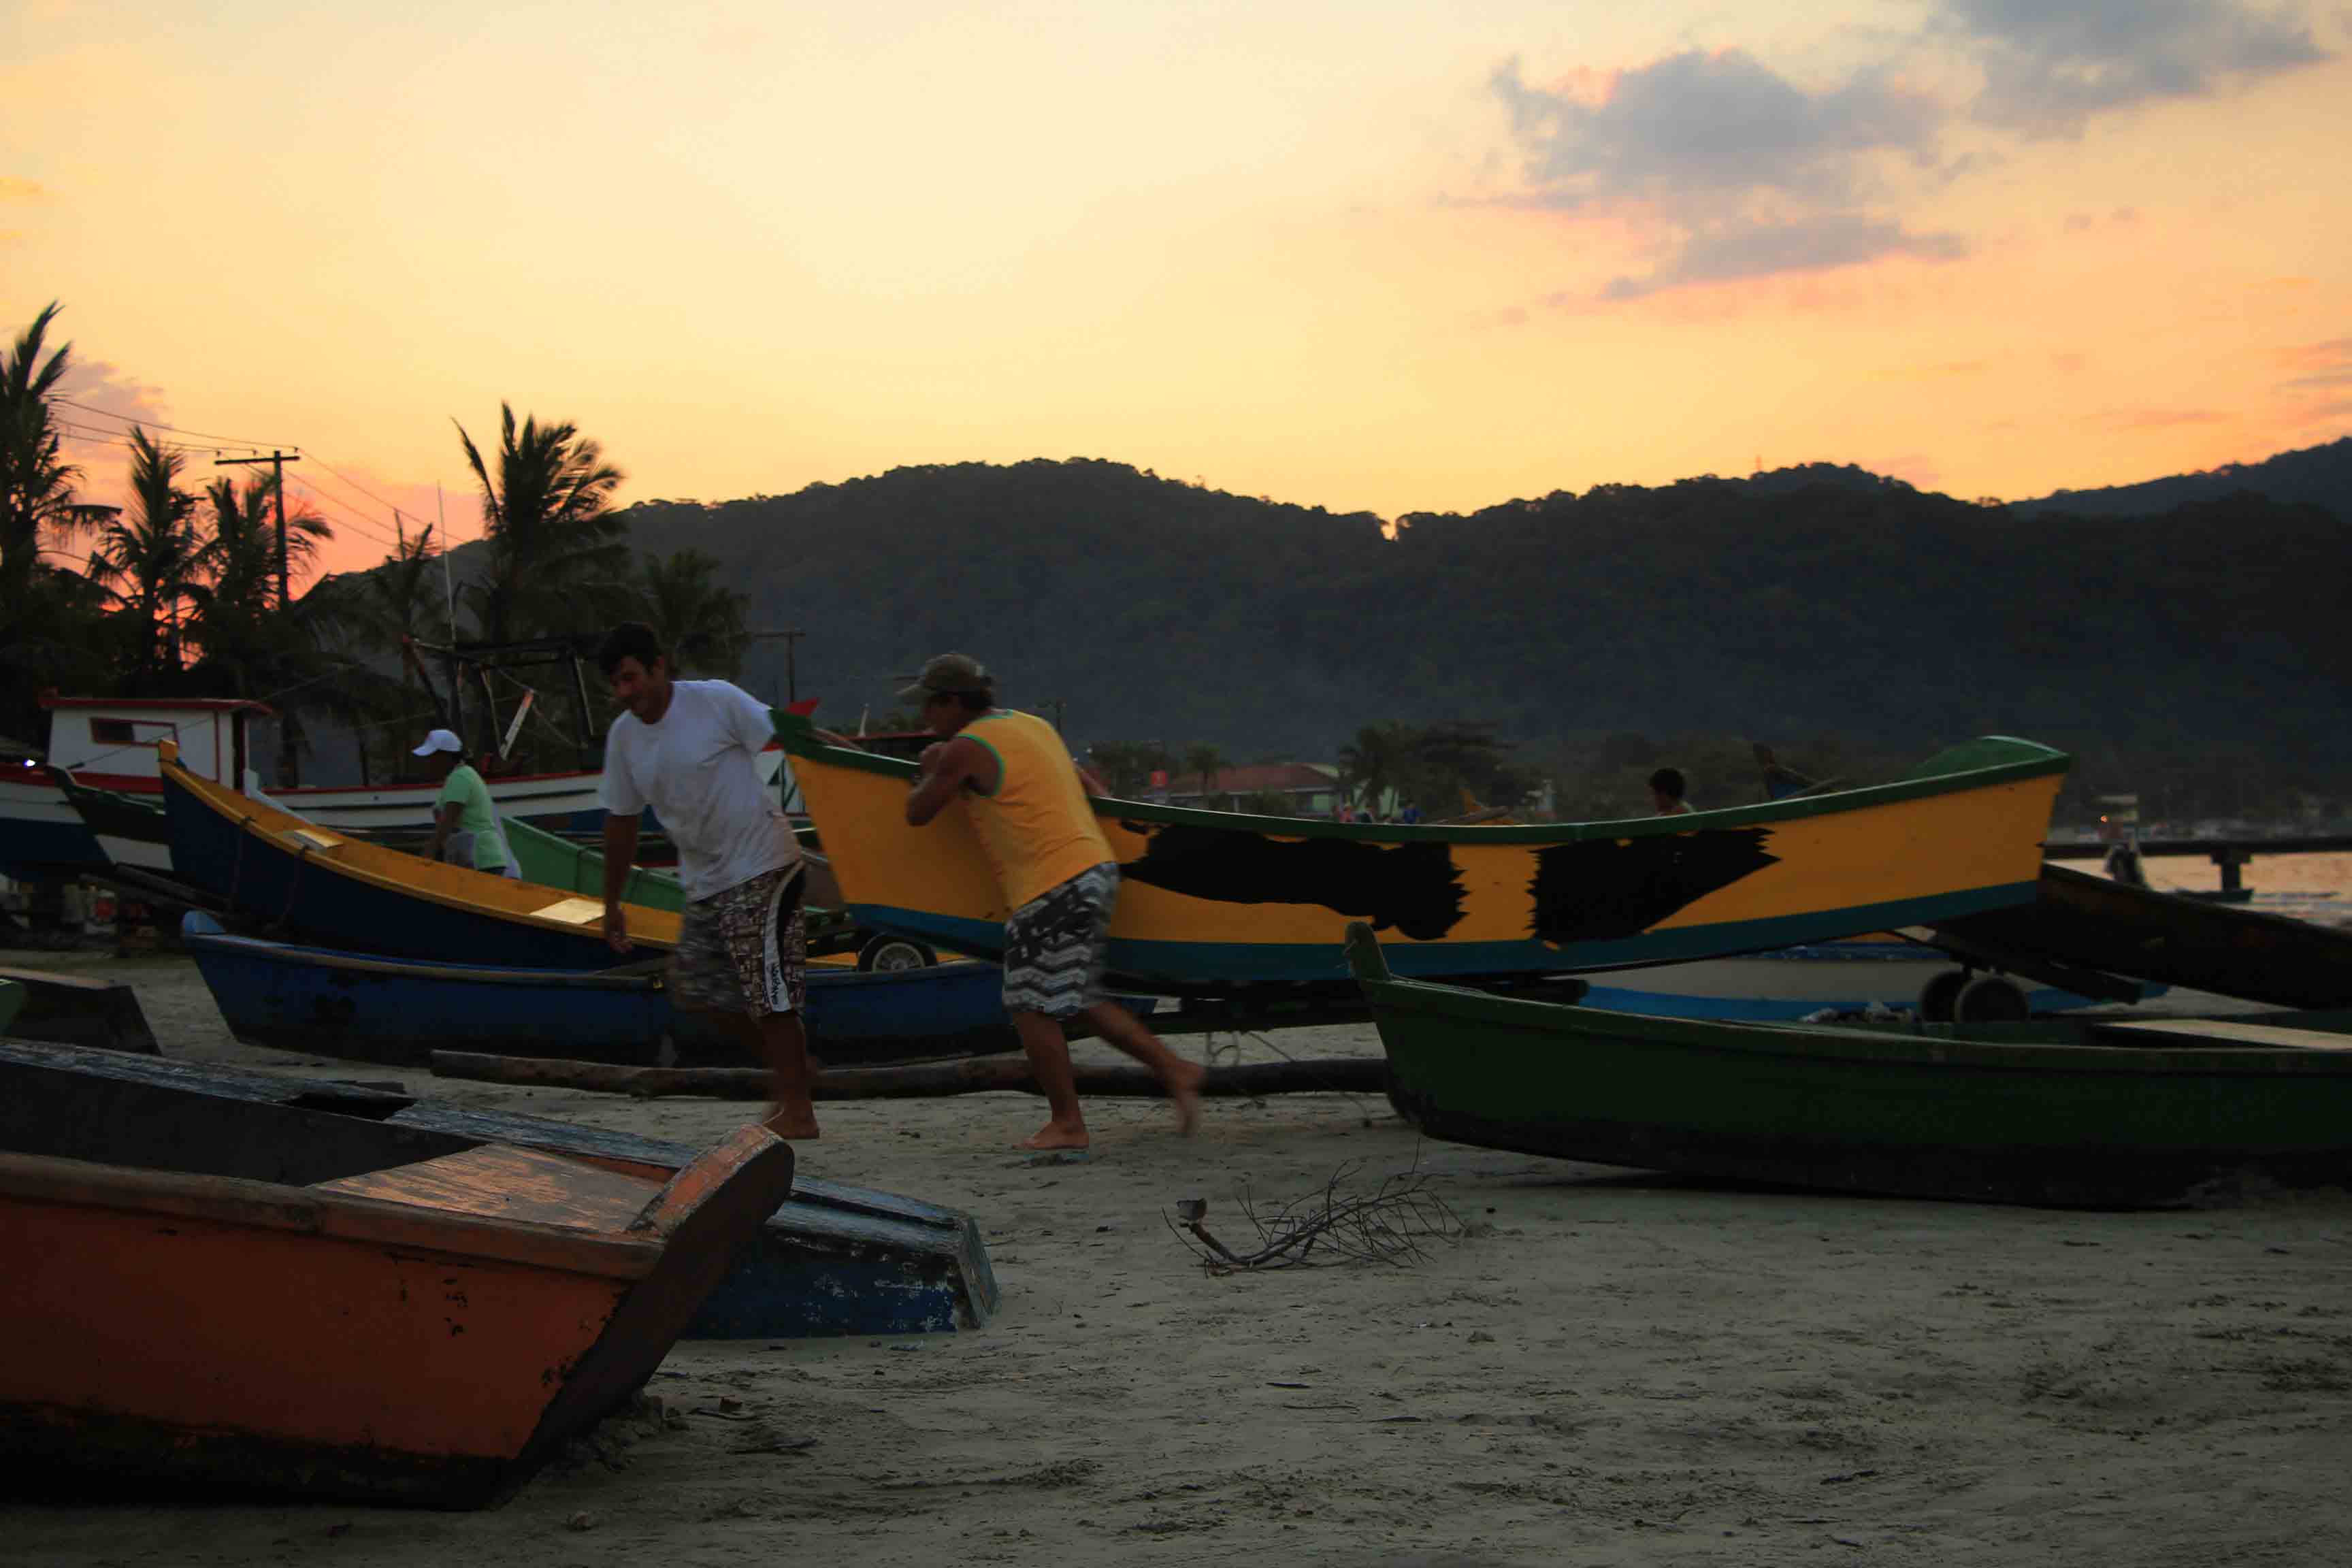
{"x": 1055, "y": 870}
{"x": 691, "y": 750}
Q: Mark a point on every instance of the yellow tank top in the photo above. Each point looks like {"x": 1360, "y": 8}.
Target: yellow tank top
{"x": 1037, "y": 826}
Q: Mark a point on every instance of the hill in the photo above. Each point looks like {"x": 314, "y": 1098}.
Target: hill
{"x": 2314, "y": 475}
{"x": 1811, "y": 602}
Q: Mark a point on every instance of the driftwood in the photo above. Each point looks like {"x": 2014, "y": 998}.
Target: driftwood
{"x": 1387, "y": 1225}
{"x": 977, "y": 1075}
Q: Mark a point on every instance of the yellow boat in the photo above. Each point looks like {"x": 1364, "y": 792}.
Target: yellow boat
{"x": 338, "y": 892}
{"x": 1216, "y": 899}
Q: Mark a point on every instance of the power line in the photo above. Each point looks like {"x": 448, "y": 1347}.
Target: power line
{"x": 373, "y": 530}
{"x": 158, "y": 425}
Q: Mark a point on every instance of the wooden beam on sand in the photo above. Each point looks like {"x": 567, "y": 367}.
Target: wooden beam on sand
{"x": 977, "y": 1075}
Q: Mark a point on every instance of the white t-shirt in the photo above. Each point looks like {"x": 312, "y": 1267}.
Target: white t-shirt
{"x": 698, "y": 769}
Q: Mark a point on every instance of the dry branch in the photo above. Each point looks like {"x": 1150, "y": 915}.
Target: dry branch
{"x": 1388, "y": 1226}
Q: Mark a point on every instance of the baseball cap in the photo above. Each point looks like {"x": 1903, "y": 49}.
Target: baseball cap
{"x": 439, "y": 741}
{"x": 950, "y": 672}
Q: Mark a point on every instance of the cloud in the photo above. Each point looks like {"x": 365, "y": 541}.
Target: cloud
{"x": 1732, "y": 171}
{"x": 2050, "y": 67}
{"x": 1742, "y": 172}
{"x": 2314, "y": 395}
{"x": 2154, "y": 418}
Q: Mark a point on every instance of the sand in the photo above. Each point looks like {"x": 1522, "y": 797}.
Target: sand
{"x": 1622, "y": 1369}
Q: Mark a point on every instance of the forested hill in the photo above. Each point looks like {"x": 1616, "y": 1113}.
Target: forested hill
{"x": 1812, "y": 601}
{"x": 2315, "y": 475}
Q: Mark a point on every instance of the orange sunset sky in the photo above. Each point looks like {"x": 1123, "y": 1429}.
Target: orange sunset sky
{"x": 1365, "y": 255}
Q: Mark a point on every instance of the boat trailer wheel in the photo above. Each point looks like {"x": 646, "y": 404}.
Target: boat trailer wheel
{"x": 887, "y": 954}
{"x": 1939, "y": 997}
{"x": 1991, "y": 999}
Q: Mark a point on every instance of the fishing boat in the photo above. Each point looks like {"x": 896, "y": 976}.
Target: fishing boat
{"x": 222, "y": 1296}
{"x": 109, "y": 743}
{"x": 1853, "y": 976}
{"x": 831, "y": 1258}
{"x": 1213, "y": 898}
{"x": 401, "y": 1010}
{"x": 12, "y": 1001}
{"x": 2175, "y": 1117}
{"x": 338, "y": 892}
{"x": 2095, "y": 924}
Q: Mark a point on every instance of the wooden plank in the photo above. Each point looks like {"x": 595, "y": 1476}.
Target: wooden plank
{"x": 979, "y": 1075}
{"x": 506, "y": 1184}
{"x": 2230, "y": 1031}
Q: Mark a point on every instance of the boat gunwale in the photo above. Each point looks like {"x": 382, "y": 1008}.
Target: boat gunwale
{"x": 1427, "y": 998}
{"x": 798, "y": 737}
{"x": 254, "y": 817}
{"x": 62, "y": 1182}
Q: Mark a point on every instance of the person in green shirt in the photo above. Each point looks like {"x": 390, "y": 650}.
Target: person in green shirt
{"x": 466, "y": 830}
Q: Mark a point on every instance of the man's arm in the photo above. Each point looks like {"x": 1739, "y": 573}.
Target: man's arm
{"x": 946, "y": 768}
{"x": 444, "y": 823}
{"x": 620, "y": 857}
{"x": 1093, "y": 786}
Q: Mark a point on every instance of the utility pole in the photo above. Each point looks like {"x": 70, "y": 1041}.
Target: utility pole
{"x": 277, "y": 461}
{"x": 789, "y": 639}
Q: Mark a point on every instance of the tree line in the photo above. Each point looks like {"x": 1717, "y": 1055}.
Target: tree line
{"x": 176, "y": 591}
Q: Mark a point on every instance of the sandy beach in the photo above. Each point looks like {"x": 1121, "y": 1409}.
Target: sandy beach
{"x": 1617, "y": 1368}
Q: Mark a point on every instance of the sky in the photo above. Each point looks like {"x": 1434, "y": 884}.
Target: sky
{"x": 1367, "y": 255}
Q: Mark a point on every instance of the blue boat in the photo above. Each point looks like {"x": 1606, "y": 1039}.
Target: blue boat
{"x": 383, "y": 1009}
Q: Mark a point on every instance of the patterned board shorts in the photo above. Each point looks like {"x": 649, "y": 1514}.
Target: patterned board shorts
{"x": 744, "y": 950}
{"x": 1056, "y": 943}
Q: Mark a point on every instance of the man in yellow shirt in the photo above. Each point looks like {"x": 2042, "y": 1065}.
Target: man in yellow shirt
{"x": 1028, "y": 803}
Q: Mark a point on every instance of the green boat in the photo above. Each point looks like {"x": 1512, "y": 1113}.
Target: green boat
{"x": 11, "y": 996}
{"x": 2158, "y": 1113}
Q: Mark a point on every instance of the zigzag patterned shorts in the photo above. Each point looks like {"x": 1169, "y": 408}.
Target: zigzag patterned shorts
{"x": 1056, "y": 943}
{"x": 744, "y": 950}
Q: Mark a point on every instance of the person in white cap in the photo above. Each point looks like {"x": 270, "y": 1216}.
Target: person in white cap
{"x": 466, "y": 830}
{"x": 691, "y": 750}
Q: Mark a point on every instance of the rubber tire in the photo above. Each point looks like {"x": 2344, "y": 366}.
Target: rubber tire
{"x": 1992, "y": 999}
{"x": 886, "y": 955}
{"x": 1941, "y": 994}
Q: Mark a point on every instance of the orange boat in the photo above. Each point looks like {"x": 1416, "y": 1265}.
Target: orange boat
{"x": 245, "y": 1297}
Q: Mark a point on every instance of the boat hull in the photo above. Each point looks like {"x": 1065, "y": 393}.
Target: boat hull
{"x": 1215, "y": 898}
{"x": 342, "y": 893}
{"x": 41, "y": 834}
{"x": 400, "y": 1011}
{"x": 464, "y": 1307}
{"x": 1794, "y": 984}
{"x": 1851, "y": 1110}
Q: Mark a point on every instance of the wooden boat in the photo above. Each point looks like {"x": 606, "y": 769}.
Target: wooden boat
{"x": 2175, "y": 1119}
{"x": 327, "y": 888}
{"x": 1217, "y": 899}
{"x": 41, "y": 834}
{"x": 1854, "y": 976}
{"x": 401, "y": 1010}
{"x": 2094, "y": 923}
{"x": 12, "y": 1001}
{"x": 130, "y": 829}
{"x": 831, "y": 1259}
{"x": 231, "y": 1295}
{"x": 78, "y": 1010}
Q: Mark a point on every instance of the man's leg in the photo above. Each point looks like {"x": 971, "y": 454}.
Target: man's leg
{"x": 1179, "y": 1078}
{"x": 784, "y": 1044}
{"x": 1049, "y": 1064}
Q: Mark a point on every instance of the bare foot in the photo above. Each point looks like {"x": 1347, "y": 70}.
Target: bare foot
{"x": 1059, "y": 1135}
{"x": 796, "y": 1126}
{"x": 1184, "y": 1093}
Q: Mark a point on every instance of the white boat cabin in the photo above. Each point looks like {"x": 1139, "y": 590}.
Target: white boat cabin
{"x": 109, "y": 742}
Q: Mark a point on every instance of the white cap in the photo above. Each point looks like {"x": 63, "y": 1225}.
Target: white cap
{"x": 439, "y": 741}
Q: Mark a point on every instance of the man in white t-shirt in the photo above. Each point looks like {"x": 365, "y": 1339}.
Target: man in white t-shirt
{"x": 691, "y": 750}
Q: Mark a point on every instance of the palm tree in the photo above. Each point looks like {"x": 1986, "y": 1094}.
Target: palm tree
{"x": 250, "y": 643}
{"x": 149, "y": 561}
{"x": 1204, "y": 760}
{"x": 35, "y": 482}
{"x": 48, "y": 615}
{"x": 696, "y": 619}
{"x": 546, "y": 519}
{"x": 1370, "y": 764}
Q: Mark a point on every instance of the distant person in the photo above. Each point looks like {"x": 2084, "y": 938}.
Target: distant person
{"x": 1780, "y": 782}
{"x": 1055, "y": 870}
{"x": 691, "y": 750}
{"x": 1347, "y": 812}
{"x": 1410, "y": 815}
{"x": 466, "y": 830}
{"x": 1666, "y": 789}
